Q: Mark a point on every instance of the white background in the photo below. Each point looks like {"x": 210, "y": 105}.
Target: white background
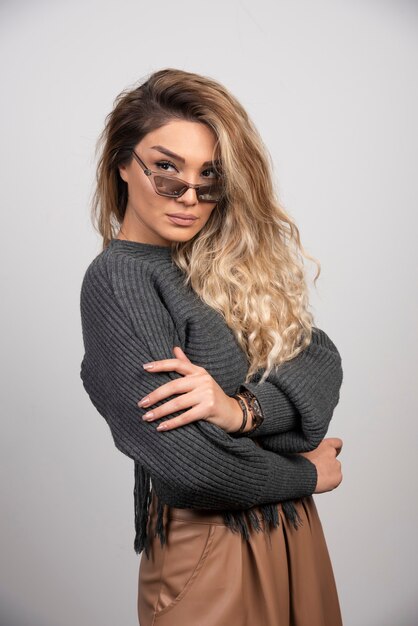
{"x": 332, "y": 88}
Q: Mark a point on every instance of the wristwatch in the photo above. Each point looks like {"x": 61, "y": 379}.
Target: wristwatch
{"x": 254, "y": 406}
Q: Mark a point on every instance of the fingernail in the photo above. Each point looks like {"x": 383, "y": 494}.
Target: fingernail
{"x": 148, "y": 415}
{"x": 161, "y": 427}
{"x": 147, "y": 366}
{"x": 143, "y": 402}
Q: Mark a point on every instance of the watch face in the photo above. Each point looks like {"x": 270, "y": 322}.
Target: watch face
{"x": 253, "y": 401}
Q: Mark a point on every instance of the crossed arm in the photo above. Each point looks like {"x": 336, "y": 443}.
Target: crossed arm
{"x": 299, "y": 398}
{"x": 200, "y": 465}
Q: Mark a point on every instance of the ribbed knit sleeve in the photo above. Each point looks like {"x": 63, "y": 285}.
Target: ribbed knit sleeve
{"x": 299, "y": 397}
{"x": 198, "y": 465}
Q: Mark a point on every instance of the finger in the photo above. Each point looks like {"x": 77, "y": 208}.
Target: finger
{"x": 185, "y": 401}
{"x": 338, "y": 444}
{"x": 166, "y": 365}
{"x": 181, "y": 355}
{"x": 185, "y": 418}
{"x": 334, "y": 441}
{"x": 177, "y": 386}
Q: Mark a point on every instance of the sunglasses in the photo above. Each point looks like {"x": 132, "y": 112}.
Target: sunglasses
{"x": 173, "y": 187}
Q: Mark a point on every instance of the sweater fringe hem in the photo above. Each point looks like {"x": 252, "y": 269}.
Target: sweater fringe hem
{"x": 237, "y": 521}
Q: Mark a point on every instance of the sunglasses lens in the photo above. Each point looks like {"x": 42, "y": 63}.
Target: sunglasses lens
{"x": 172, "y": 187}
{"x": 169, "y": 186}
{"x": 210, "y": 193}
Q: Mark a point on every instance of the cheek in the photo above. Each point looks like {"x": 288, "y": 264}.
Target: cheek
{"x": 147, "y": 201}
{"x": 142, "y": 192}
{"x": 209, "y": 211}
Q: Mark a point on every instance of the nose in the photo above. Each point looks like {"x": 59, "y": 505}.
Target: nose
{"x": 189, "y": 197}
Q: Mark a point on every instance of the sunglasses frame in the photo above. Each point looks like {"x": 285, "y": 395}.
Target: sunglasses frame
{"x": 151, "y": 173}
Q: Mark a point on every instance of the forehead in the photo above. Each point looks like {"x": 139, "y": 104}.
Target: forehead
{"x": 193, "y": 141}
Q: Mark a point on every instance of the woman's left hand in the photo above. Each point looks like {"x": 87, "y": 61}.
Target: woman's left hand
{"x": 198, "y": 390}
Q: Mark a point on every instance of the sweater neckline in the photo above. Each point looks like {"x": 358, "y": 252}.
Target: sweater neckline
{"x": 138, "y": 246}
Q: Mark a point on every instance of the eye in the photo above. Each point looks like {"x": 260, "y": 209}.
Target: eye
{"x": 212, "y": 171}
{"x": 163, "y": 163}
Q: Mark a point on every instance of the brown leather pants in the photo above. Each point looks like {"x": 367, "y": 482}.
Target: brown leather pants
{"x": 206, "y": 575}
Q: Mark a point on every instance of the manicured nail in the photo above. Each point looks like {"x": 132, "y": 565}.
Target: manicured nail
{"x": 147, "y": 366}
{"x": 162, "y": 427}
{"x": 143, "y": 402}
{"x": 148, "y": 415}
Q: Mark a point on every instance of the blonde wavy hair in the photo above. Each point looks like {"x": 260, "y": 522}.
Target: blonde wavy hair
{"x": 247, "y": 261}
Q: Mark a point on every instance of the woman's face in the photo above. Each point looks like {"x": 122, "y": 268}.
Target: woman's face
{"x": 147, "y": 213}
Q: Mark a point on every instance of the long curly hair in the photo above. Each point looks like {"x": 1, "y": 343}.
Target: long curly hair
{"x": 247, "y": 261}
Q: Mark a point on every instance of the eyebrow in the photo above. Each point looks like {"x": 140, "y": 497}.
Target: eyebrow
{"x": 173, "y": 155}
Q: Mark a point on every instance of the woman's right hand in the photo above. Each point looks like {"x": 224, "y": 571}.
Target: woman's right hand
{"x": 326, "y": 463}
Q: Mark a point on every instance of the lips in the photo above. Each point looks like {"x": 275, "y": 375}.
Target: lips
{"x": 182, "y": 221}
{"x": 183, "y": 216}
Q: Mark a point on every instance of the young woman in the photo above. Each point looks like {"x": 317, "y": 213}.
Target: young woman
{"x": 202, "y": 356}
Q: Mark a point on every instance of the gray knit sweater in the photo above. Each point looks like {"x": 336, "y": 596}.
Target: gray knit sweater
{"x": 134, "y": 309}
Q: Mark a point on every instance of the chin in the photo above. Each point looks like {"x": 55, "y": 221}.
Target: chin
{"x": 180, "y": 234}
